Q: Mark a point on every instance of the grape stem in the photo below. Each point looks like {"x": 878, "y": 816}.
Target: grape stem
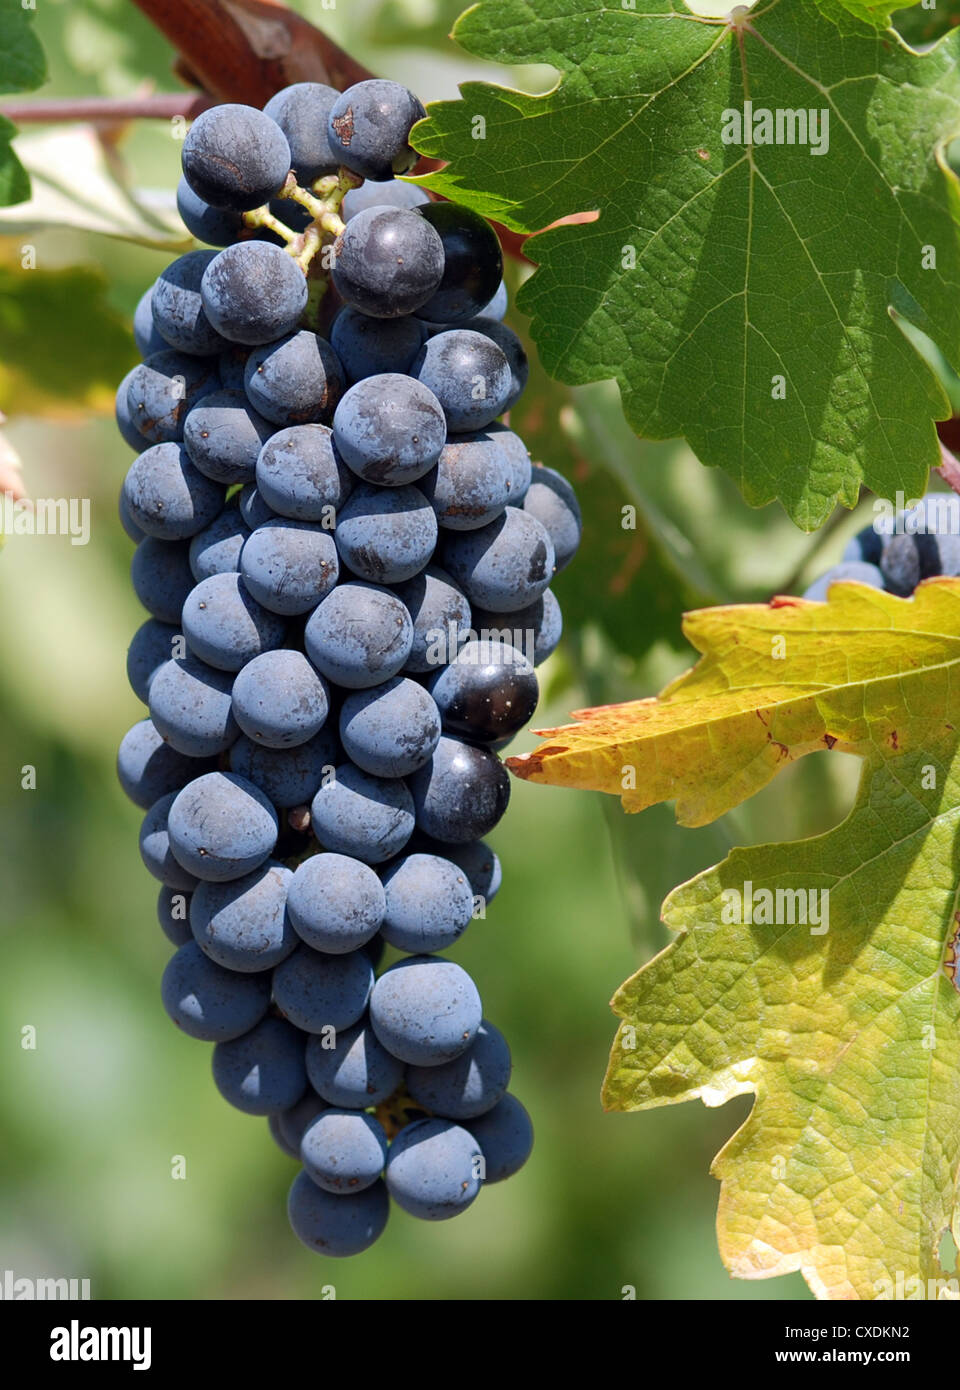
{"x": 310, "y": 242}
{"x": 334, "y": 187}
{"x": 399, "y": 1110}
{"x": 323, "y": 204}
{"x": 158, "y": 106}
{"x": 323, "y": 210}
{"x": 263, "y": 217}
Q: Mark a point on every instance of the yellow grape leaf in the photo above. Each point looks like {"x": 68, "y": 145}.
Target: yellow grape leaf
{"x": 821, "y": 976}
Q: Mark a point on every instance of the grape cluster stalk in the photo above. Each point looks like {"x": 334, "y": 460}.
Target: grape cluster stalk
{"x": 346, "y": 558}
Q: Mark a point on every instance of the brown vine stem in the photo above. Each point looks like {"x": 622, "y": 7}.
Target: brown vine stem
{"x": 158, "y": 106}
{"x": 246, "y": 50}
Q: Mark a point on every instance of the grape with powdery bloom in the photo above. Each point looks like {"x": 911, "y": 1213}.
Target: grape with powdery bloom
{"x": 345, "y": 555}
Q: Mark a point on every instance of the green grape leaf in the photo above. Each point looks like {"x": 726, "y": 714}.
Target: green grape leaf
{"x": 738, "y": 293}
{"x": 820, "y": 975}
{"x": 22, "y": 67}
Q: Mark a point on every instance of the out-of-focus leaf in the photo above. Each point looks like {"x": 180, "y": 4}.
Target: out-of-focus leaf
{"x": 22, "y": 64}
{"x": 22, "y": 67}
{"x": 873, "y": 12}
{"x": 921, "y": 25}
{"x": 624, "y": 579}
{"x": 14, "y": 179}
{"x": 108, "y": 43}
{"x": 417, "y": 21}
{"x": 62, "y": 347}
{"x": 747, "y": 555}
{"x": 73, "y": 186}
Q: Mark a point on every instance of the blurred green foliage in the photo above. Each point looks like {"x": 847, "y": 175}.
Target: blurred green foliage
{"x": 22, "y": 68}
{"x": 73, "y": 301}
{"x": 93, "y": 1118}
{"x": 922, "y": 24}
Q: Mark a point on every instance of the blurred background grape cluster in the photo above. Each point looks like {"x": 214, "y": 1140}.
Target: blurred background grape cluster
{"x": 91, "y": 1121}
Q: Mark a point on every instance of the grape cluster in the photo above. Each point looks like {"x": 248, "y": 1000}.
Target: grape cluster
{"x": 895, "y": 552}
{"x": 345, "y": 555}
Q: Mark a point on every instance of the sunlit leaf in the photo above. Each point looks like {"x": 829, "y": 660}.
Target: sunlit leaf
{"x": 737, "y": 292}
{"x": 821, "y": 975}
